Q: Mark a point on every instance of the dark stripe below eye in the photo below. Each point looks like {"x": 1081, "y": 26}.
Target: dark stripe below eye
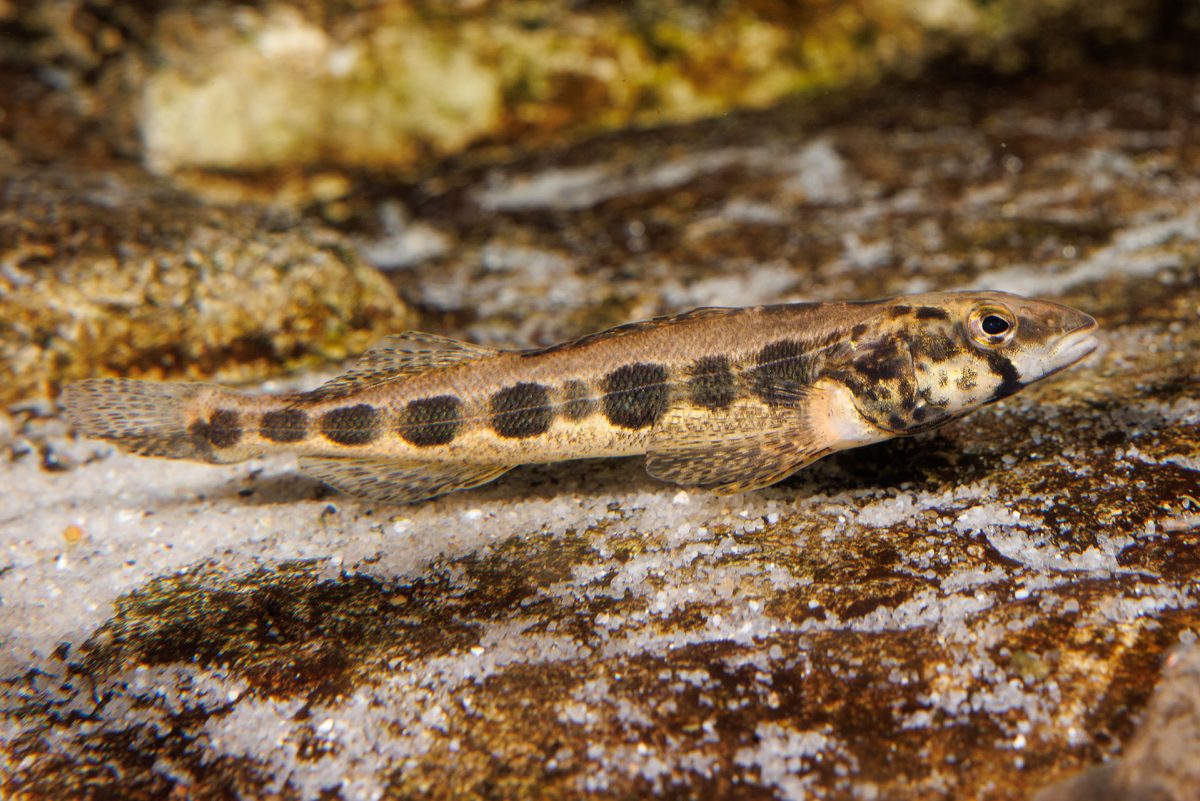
{"x": 1002, "y": 368}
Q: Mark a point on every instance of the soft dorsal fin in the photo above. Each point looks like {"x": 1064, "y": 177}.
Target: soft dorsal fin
{"x": 400, "y": 356}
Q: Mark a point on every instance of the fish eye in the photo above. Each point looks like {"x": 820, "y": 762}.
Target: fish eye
{"x": 991, "y": 325}
{"x": 994, "y": 325}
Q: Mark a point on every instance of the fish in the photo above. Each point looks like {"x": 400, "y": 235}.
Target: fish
{"x": 725, "y": 399}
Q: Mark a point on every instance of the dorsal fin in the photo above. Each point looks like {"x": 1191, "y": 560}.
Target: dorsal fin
{"x": 400, "y": 356}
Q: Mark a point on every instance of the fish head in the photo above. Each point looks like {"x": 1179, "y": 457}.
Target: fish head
{"x": 968, "y": 349}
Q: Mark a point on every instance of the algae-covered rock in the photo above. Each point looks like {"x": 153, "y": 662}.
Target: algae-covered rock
{"x": 107, "y": 271}
{"x": 222, "y": 85}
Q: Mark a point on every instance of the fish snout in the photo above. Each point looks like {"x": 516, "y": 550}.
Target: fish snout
{"x": 1079, "y": 341}
{"x": 1079, "y": 321}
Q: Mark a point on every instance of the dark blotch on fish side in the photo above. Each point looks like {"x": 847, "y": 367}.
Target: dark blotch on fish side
{"x": 578, "y": 402}
{"x": 284, "y": 425}
{"x": 900, "y": 311}
{"x": 635, "y": 395}
{"x": 431, "y": 421}
{"x": 522, "y": 410}
{"x": 783, "y": 368}
{"x": 198, "y": 431}
{"x": 351, "y": 425}
{"x": 711, "y": 383}
{"x": 224, "y": 428}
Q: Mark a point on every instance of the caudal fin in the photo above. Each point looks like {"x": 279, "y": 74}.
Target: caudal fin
{"x": 143, "y": 417}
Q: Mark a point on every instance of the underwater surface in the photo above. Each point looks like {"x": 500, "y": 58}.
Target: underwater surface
{"x": 978, "y": 612}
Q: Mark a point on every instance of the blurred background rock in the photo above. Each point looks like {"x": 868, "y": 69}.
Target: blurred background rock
{"x": 396, "y": 85}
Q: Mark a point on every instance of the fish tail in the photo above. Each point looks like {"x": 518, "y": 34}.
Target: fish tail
{"x": 150, "y": 418}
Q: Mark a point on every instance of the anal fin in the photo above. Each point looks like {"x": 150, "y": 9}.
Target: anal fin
{"x": 745, "y": 446}
{"x": 400, "y": 356}
{"x": 392, "y": 481}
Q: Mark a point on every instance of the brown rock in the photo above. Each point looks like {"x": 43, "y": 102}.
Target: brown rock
{"x": 111, "y": 271}
{"x": 1161, "y": 762}
{"x": 384, "y": 85}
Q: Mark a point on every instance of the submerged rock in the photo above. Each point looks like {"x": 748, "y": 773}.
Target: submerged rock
{"x": 222, "y": 85}
{"x": 1159, "y": 763}
{"x": 974, "y": 613}
{"x": 111, "y": 272}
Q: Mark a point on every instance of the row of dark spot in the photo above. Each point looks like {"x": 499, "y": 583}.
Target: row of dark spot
{"x": 634, "y": 396}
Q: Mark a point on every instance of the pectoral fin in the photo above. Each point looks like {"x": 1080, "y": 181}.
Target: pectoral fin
{"x": 748, "y": 445}
{"x": 390, "y": 481}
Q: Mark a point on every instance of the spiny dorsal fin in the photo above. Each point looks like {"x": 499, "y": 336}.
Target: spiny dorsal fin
{"x": 397, "y": 481}
{"x": 742, "y": 447}
{"x": 400, "y": 356}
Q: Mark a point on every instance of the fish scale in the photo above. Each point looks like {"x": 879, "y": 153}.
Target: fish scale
{"x": 732, "y": 399}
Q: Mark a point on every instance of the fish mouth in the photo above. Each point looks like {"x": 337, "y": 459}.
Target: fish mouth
{"x": 1073, "y": 347}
